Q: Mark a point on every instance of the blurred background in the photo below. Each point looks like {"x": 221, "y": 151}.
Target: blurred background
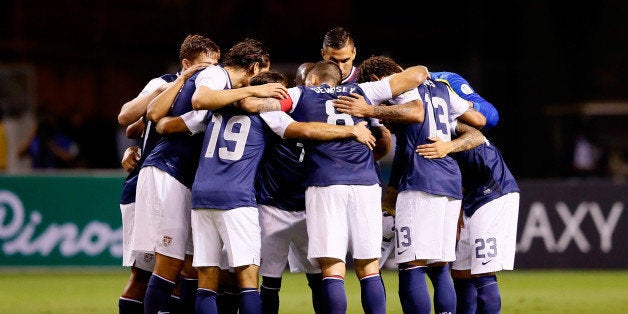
{"x": 557, "y": 74}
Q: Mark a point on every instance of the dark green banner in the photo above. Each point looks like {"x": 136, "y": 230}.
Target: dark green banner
{"x": 60, "y": 220}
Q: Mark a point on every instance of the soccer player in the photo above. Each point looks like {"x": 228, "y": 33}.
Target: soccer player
{"x": 223, "y": 199}
{"x": 162, "y": 221}
{"x": 280, "y": 191}
{"x": 488, "y": 234}
{"x": 339, "y": 48}
{"x": 132, "y": 115}
{"x": 430, "y": 193}
{"x": 343, "y": 192}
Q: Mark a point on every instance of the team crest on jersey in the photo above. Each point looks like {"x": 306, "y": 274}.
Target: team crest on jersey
{"x": 167, "y": 240}
{"x": 148, "y": 257}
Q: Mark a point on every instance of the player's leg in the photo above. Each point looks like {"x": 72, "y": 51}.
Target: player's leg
{"x": 275, "y": 241}
{"x": 419, "y": 230}
{"x": 207, "y": 257}
{"x": 240, "y": 230}
{"x": 328, "y": 232}
{"x": 298, "y": 261}
{"x": 495, "y": 246}
{"x": 189, "y": 283}
{"x": 365, "y": 219}
{"x": 132, "y": 297}
{"x": 161, "y": 225}
{"x": 466, "y": 294}
{"x": 438, "y": 271}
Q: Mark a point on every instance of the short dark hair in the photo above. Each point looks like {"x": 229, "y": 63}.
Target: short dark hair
{"x": 269, "y": 77}
{"x": 246, "y": 53}
{"x": 380, "y": 66}
{"x": 327, "y": 71}
{"x": 193, "y": 45}
{"x": 337, "y": 38}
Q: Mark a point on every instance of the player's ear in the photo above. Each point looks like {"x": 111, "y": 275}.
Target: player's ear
{"x": 185, "y": 63}
{"x": 374, "y": 77}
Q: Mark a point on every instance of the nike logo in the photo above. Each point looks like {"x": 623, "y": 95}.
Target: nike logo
{"x": 484, "y": 263}
{"x": 401, "y": 252}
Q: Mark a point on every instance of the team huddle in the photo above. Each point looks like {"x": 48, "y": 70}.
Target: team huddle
{"x": 239, "y": 173}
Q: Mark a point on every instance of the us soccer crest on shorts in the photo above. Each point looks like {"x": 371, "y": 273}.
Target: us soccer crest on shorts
{"x": 167, "y": 240}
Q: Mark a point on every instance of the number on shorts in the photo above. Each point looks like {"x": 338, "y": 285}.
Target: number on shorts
{"x": 403, "y": 236}
{"x": 481, "y": 246}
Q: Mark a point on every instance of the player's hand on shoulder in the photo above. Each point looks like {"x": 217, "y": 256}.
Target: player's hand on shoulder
{"x": 275, "y": 90}
{"x": 436, "y": 149}
{"x": 187, "y": 73}
{"x": 363, "y": 135}
{"x": 355, "y": 105}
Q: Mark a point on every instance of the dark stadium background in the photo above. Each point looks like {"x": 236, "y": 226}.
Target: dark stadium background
{"x": 541, "y": 64}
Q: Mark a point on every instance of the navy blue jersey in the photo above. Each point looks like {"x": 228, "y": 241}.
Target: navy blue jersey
{"x": 232, "y": 150}
{"x": 435, "y": 176}
{"x": 146, "y": 143}
{"x": 281, "y": 175}
{"x": 177, "y": 154}
{"x": 485, "y": 176}
{"x": 333, "y": 162}
{"x": 352, "y": 77}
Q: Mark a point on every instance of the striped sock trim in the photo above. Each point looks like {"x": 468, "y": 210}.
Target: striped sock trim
{"x": 334, "y": 277}
{"x": 370, "y": 276}
{"x": 412, "y": 267}
{"x": 208, "y": 290}
{"x": 248, "y": 290}
{"x": 162, "y": 278}
{"x": 131, "y": 300}
{"x": 269, "y": 288}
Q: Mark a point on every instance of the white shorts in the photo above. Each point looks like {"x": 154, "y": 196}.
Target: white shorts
{"x": 128, "y": 216}
{"x": 388, "y": 238}
{"x": 284, "y": 233}
{"x": 488, "y": 239}
{"x": 237, "y": 230}
{"x": 162, "y": 215}
{"x": 141, "y": 260}
{"x": 344, "y": 218}
{"x": 426, "y": 225}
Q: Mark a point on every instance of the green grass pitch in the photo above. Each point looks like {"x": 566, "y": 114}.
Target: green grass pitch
{"x": 523, "y": 291}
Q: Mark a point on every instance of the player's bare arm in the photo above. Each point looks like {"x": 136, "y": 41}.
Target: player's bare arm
{"x": 135, "y": 129}
{"x": 134, "y": 109}
{"x": 383, "y": 142}
{"x": 469, "y": 138}
{"x": 321, "y": 131}
{"x": 408, "y": 79}
{"x": 206, "y": 98}
{"x": 257, "y": 105}
{"x": 473, "y": 117}
{"x": 169, "y": 125}
{"x": 356, "y": 105}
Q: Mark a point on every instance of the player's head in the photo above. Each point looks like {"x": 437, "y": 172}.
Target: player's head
{"x": 249, "y": 55}
{"x": 302, "y": 70}
{"x": 269, "y": 77}
{"x": 196, "y": 49}
{"x": 324, "y": 72}
{"x": 376, "y": 68}
{"x": 338, "y": 47}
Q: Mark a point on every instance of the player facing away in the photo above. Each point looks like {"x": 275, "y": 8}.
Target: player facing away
{"x": 280, "y": 191}
{"x": 429, "y": 198}
{"x": 194, "y": 50}
{"x": 223, "y": 199}
{"x": 410, "y": 111}
{"x": 343, "y": 192}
